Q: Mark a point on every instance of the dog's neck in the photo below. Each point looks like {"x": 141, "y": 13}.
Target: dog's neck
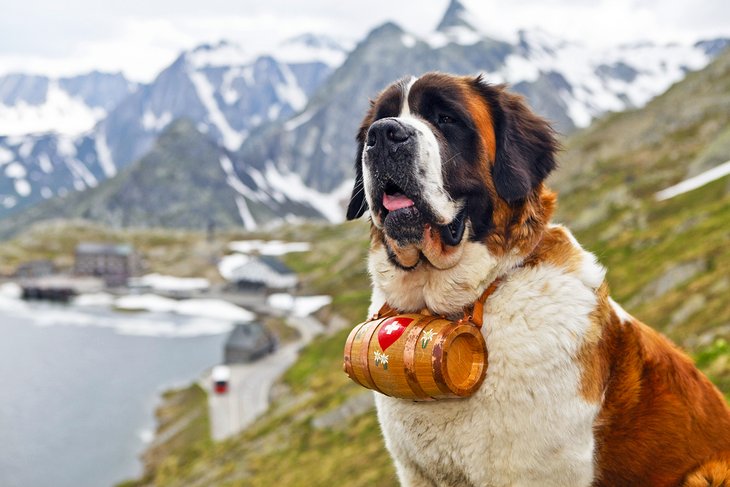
{"x": 442, "y": 291}
{"x": 517, "y": 235}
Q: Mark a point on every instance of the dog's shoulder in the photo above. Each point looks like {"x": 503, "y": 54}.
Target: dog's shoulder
{"x": 558, "y": 248}
{"x": 626, "y": 368}
{"x": 559, "y": 291}
{"x": 551, "y": 310}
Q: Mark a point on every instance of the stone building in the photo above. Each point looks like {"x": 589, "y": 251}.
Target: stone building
{"x": 35, "y": 268}
{"x": 114, "y": 263}
{"x": 248, "y": 342}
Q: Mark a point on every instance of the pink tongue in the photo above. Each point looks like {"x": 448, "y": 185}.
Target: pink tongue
{"x": 396, "y": 202}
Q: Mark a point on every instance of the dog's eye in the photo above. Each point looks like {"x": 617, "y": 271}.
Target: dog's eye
{"x": 445, "y": 119}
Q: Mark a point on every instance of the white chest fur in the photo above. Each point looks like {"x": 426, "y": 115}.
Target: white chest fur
{"x": 527, "y": 425}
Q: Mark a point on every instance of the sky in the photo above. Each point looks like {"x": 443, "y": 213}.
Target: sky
{"x": 141, "y": 37}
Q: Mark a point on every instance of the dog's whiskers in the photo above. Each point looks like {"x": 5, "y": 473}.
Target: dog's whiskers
{"x": 362, "y": 202}
{"x": 452, "y": 157}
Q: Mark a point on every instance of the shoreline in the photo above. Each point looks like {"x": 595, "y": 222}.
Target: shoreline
{"x": 178, "y": 435}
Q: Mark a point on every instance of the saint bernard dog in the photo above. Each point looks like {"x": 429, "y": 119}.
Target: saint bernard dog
{"x": 578, "y": 392}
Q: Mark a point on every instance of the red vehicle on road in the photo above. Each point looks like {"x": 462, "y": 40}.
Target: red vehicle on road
{"x": 221, "y": 376}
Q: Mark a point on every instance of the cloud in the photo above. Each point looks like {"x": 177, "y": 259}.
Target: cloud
{"x": 140, "y": 37}
{"x": 605, "y": 22}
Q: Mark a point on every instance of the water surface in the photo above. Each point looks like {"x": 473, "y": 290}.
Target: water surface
{"x": 78, "y": 388}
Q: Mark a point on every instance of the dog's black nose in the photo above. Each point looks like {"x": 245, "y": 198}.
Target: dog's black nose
{"x": 387, "y": 131}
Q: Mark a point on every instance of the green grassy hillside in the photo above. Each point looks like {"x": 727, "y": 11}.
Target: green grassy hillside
{"x": 668, "y": 262}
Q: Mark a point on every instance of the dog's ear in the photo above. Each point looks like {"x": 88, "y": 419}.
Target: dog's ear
{"x": 358, "y": 203}
{"x": 525, "y": 144}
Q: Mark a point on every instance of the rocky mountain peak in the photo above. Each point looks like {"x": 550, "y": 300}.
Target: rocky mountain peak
{"x": 315, "y": 41}
{"x": 384, "y": 30}
{"x": 455, "y": 16}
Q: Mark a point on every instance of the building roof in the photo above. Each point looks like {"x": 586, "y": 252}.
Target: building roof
{"x": 104, "y": 248}
{"x": 248, "y": 336}
{"x": 267, "y": 270}
{"x": 275, "y": 264}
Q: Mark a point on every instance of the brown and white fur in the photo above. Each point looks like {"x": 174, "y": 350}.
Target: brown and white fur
{"x": 577, "y": 392}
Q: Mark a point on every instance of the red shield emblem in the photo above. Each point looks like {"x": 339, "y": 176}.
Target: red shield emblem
{"x": 391, "y": 330}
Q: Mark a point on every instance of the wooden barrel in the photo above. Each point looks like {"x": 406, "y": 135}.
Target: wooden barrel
{"x": 414, "y": 356}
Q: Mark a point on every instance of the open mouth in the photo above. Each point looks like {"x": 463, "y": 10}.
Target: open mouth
{"x": 404, "y": 221}
{"x": 394, "y": 198}
{"x": 401, "y": 217}
{"x": 452, "y": 233}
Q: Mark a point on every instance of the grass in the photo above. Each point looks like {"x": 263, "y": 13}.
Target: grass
{"x": 283, "y": 332}
{"x": 184, "y": 423}
{"x": 693, "y": 227}
{"x": 178, "y": 252}
{"x": 714, "y": 360}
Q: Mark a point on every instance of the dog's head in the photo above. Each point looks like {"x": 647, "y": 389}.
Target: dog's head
{"x": 444, "y": 161}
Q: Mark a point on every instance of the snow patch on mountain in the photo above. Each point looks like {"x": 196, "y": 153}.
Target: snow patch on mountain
{"x": 22, "y": 187}
{"x": 309, "y": 48}
{"x": 695, "y": 182}
{"x": 290, "y": 91}
{"x": 408, "y": 40}
{"x": 156, "y": 123}
{"x": 104, "y": 154}
{"x": 658, "y": 68}
{"x": 292, "y": 186}
{"x": 60, "y": 112}
{"x": 222, "y": 54}
{"x": 461, "y": 35}
{"x": 26, "y": 146}
{"x": 601, "y": 80}
{"x": 246, "y": 217}
{"x": 44, "y": 162}
{"x": 229, "y": 94}
{"x": 82, "y": 176}
{"x": 300, "y": 119}
{"x": 65, "y": 146}
{"x": 234, "y": 181}
{"x": 231, "y": 138}
{"x": 6, "y": 156}
{"x": 306, "y": 48}
{"x": 9, "y": 202}
{"x": 15, "y": 171}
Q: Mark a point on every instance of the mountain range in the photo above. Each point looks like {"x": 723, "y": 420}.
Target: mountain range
{"x": 274, "y": 132}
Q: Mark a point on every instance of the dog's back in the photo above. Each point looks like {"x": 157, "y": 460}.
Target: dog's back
{"x": 660, "y": 417}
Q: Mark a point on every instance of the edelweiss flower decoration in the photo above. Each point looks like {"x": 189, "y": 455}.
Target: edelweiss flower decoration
{"x": 427, "y": 337}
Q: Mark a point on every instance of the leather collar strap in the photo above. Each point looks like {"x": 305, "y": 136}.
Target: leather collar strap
{"x": 477, "y": 311}
{"x": 472, "y": 314}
